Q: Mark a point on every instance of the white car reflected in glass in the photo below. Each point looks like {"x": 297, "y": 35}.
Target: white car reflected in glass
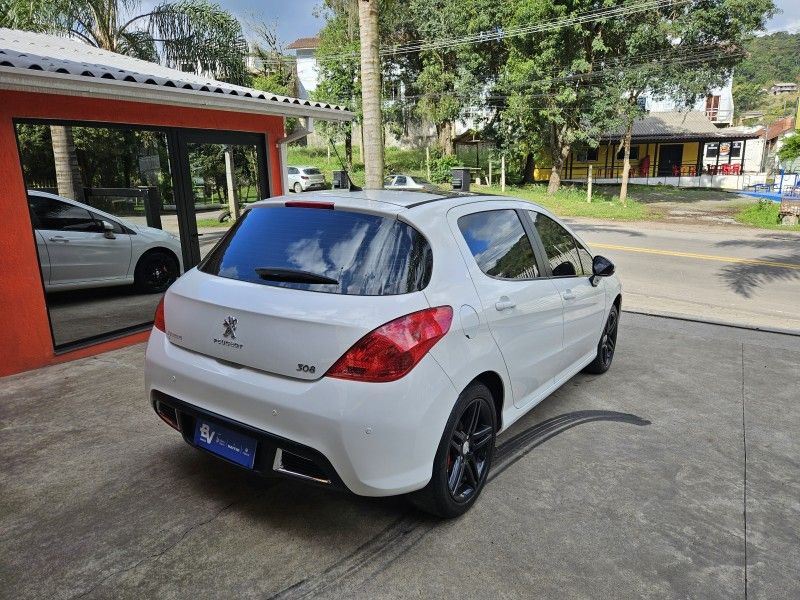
{"x": 409, "y": 182}
{"x": 82, "y": 247}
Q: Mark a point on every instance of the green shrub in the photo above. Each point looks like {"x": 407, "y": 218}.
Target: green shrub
{"x": 440, "y": 167}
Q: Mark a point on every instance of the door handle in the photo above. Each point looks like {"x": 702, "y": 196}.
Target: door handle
{"x": 568, "y": 295}
{"x": 58, "y": 238}
{"x": 504, "y": 303}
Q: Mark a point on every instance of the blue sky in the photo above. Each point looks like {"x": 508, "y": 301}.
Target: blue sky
{"x": 294, "y": 18}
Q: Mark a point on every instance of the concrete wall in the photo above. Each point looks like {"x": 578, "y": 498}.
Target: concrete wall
{"x": 307, "y": 72}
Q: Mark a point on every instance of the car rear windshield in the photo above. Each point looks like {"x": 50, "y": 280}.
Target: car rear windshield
{"x": 311, "y": 171}
{"x": 333, "y": 251}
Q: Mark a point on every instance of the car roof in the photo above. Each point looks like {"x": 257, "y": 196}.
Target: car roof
{"x": 394, "y": 200}
{"x": 302, "y": 166}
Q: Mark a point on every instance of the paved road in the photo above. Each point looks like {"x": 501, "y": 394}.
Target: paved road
{"x": 674, "y": 475}
{"x": 728, "y": 274}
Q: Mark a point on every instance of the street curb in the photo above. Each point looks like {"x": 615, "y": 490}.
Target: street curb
{"x": 677, "y": 317}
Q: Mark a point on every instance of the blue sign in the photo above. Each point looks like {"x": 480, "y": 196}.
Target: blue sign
{"x": 226, "y": 443}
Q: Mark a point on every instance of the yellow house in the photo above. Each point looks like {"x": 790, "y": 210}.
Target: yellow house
{"x": 664, "y": 145}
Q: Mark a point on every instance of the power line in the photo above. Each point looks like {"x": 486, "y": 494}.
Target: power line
{"x": 499, "y": 34}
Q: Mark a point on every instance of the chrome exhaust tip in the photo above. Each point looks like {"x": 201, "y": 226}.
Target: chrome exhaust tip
{"x": 293, "y": 465}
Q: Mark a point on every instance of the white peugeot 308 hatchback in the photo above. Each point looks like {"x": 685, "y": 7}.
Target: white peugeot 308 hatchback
{"x": 378, "y": 341}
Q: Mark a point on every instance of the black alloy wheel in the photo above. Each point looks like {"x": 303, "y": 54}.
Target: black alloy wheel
{"x": 607, "y": 345}
{"x": 467, "y": 457}
{"x": 156, "y": 272}
{"x": 464, "y": 456}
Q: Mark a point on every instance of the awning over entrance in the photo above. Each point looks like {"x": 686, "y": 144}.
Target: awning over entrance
{"x": 34, "y": 62}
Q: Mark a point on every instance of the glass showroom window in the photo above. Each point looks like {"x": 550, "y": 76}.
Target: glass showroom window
{"x": 105, "y": 225}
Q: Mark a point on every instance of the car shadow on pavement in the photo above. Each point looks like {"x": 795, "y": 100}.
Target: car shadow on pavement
{"x": 379, "y": 551}
{"x": 745, "y": 278}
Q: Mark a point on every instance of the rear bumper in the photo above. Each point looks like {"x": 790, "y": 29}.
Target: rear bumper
{"x": 321, "y": 185}
{"x": 372, "y": 439}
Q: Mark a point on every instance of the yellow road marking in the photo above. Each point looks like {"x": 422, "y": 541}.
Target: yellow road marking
{"x": 728, "y": 259}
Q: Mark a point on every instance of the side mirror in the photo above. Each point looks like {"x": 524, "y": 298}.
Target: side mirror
{"x": 108, "y": 230}
{"x": 601, "y": 267}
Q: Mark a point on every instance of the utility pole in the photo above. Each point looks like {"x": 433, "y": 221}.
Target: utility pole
{"x": 230, "y": 180}
{"x": 372, "y": 123}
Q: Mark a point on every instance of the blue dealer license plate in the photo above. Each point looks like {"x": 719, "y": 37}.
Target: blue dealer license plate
{"x": 226, "y": 443}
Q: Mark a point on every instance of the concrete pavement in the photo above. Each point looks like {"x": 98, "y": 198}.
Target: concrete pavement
{"x": 729, "y": 274}
{"x": 674, "y": 475}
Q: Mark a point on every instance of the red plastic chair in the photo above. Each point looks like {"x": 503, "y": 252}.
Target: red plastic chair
{"x": 676, "y": 170}
{"x": 726, "y": 169}
{"x": 736, "y": 169}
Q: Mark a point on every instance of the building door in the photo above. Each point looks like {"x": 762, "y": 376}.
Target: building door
{"x": 217, "y": 170}
{"x": 669, "y": 160}
{"x": 712, "y": 107}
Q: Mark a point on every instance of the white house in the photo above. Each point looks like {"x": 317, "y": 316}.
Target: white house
{"x": 307, "y": 71}
{"x": 717, "y": 105}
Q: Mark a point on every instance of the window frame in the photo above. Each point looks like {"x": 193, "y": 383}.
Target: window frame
{"x": 540, "y": 249}
{"x": 537, "y": 256}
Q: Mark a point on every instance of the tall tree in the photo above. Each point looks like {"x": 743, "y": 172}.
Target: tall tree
{"x": 551, "y": 104}
{"x": 194, "y": 33}
{"x": 451, "y": 78}
{"x": 371, "y": 93}
{"x": 338, "y": 63}
{"x": 680, "y": 51}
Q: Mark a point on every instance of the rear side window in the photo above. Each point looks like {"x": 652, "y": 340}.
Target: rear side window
{"x": 499, "y": 244}
{"x": 365, "y": 255}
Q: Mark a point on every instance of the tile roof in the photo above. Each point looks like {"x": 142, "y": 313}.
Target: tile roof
{"x": 304, "y": 43}
{"x": 48, "y": 54}
{"x": 676, "y": 125}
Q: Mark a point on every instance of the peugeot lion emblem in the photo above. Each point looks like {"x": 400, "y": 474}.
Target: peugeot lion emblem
{"x": 230, "y": 327}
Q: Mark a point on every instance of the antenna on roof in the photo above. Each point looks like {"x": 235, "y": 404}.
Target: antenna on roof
{"x": 351, "y": 187}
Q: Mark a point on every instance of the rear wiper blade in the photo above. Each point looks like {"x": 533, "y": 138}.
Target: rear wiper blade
{"x": 292, "y": 276}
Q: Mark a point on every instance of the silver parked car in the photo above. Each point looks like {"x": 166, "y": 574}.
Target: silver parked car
{"x": 409, "y": 182}
{"x": 305, "y": 178}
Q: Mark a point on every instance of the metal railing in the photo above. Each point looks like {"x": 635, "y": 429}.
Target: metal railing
{"x": 675, "y": 170}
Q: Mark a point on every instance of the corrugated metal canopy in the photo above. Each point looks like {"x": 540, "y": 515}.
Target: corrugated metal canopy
{"x": 53, "y": 64}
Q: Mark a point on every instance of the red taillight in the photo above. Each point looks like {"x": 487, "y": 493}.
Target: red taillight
{"x": 158, "y": 318}
{"x": 303, "y": 177}
{"x": 327, "y": 205}
{"x": 392, "y": 350}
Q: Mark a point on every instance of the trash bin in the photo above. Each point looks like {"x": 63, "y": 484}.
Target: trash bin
{"x": 460, "y": 178}
{"x": 340, "y": 180}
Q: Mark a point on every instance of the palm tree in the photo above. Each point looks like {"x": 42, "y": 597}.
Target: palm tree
{"x": 193, "y": 34}
{"x": 372, "y": 123}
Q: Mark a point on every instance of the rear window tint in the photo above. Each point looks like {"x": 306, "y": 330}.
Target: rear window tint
{"x": 311, "y": 171}
{"x": 368, "y": 255}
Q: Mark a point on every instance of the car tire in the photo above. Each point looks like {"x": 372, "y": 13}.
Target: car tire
{"x": 297, "y": 188}
{"x": 155, "y": 271}
{"x": 464, "y": 456}
{"x": 607, "y": 344}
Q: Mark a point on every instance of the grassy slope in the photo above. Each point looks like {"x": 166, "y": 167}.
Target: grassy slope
{"x": 763, "y": 215}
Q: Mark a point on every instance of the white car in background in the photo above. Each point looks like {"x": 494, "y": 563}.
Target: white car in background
{"x": 82, "y": 247}
{"x": 302, "y": 179}
{"x": 409, "y": 182}
{"x": 378, "y": 341}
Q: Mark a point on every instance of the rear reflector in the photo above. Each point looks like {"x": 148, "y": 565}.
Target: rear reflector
{"x": 158, "y": 318}
{"x": 392, "y": 350}
{"x": 326, "y": 205}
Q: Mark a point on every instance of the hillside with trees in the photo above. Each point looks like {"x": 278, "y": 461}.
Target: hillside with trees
{"x": 770, "y": 58}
